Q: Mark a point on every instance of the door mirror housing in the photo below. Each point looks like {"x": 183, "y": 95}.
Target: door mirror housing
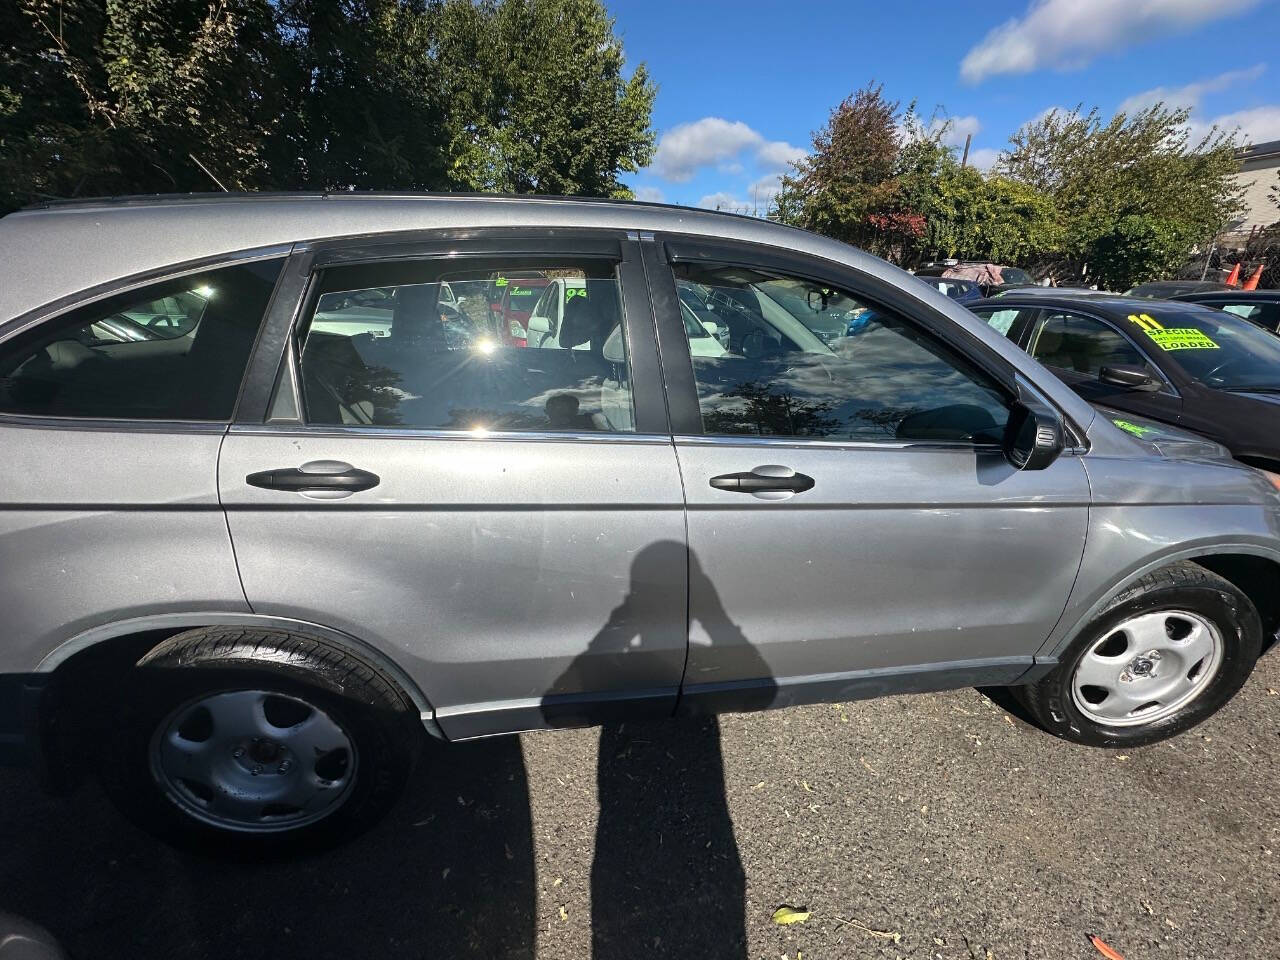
{"x": 538, "y": 324}
{"x": 1129, "y": 377}
{"x": 1034, "y": 436}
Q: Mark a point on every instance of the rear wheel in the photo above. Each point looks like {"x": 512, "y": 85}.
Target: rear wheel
{"x": 1167, "y": 653}
{"x": 248, "y": 742}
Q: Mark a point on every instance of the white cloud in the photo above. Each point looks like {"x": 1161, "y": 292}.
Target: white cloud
{"x": 714, "y": 141}
{"x": 1191, "y": 94}
{"x": 960, "y": 127}
{"x": 764, "y": 190}
{"x": 983, "y": 159}
{"x": 724, "y": 201}
{"x": 779, "y": 155}
{"x": 1069, "y": 34}
{"x": 649, "y": 194}
{"x": 1256, "y": 125}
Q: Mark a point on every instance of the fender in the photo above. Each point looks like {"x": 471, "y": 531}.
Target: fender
{"x": 1064, "y": 635}
{"x": 192, "y": 619}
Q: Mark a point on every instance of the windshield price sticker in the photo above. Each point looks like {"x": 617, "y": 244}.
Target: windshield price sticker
{"x": 1176, "y": 338}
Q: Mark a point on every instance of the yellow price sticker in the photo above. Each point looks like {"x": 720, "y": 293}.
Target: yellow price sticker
{"x": 1182, "y": 338}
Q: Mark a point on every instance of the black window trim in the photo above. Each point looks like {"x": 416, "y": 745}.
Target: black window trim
{"x": 279, "y": 340}
{"x": 54, "y": 310}
{"x": 682, "y": 392}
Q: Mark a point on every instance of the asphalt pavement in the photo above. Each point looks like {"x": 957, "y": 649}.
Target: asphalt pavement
{"x": 927, "y": 826}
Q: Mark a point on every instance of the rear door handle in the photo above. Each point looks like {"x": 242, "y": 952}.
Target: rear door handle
{"x": 318, "y": 475}
{"x": 767, "y": 479}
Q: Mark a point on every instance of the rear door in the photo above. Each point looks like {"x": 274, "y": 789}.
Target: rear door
{"x": 111, "y": 415}
{"x": 853, "y": 526}
{"x": 504, "y": 522}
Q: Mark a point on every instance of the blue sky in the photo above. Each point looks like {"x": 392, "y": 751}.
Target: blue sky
{"x": 742, "y": 85}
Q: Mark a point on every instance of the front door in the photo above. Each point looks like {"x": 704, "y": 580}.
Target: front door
{"x": 853, "y": 526}
{"x": 1076, "y": 347}
{"x": 504, "y": 522}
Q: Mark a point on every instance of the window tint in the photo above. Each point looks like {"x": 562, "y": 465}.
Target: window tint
{"x": 1000, "y": 320}
{"x": 1081, "y": 344}
{"x": 176, "y": 350}
{"x": 1263, "y": 314}
{"x": 799, "y": 359}
{"x": 385, "y": 348}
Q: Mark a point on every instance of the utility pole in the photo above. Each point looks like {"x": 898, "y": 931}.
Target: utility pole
{"x": 964, "y": 160}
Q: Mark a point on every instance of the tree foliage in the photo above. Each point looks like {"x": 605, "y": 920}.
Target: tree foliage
{"x": 127, "y": 96}
{"x": 1134, "y": 194}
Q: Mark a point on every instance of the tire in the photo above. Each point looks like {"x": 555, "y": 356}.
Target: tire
{"x": 251, "y": 743}
{"x": 1186, "y": 603}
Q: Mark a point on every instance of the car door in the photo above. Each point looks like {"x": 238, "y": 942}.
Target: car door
{"x": 503, "y": 522}
{"x": 1076, "y": 346}
{"x": 853, "y": 527}
{"x": 110, "y": 433}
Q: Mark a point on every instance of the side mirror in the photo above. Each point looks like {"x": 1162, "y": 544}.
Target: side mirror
{"x": 711, "y": 328}
{"x": 1129, "y": 377}
{"x": 1034, "y": 436}
{"x": 538, "y": 324}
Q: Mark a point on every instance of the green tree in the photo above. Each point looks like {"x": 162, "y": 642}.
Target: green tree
{"x": 1134, "y": 194}
{"x": 537, "y": 101}
{"x": 139, "y": 96}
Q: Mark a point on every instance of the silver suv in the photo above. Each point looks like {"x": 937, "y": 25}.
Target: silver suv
{"x": 270, "y": 505}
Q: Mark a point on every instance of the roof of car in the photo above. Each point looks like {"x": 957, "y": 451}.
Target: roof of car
{"x": 101, "y": 240}
{"x": 1112, "y": 303}
{"x": 1241, "y": 295}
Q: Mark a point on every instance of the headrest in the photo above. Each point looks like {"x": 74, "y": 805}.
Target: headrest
{"x": 415, "y": 317}
{"x": 581, "y": 324}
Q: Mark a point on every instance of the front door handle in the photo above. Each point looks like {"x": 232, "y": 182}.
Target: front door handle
{"x": 318, "y": 475}
{"x": 767, "y": 479}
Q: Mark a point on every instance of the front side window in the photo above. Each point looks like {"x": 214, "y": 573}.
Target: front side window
{"x": 1082, "y": 345}
{"x": 384, "y": 348}
{"x": 175, "y": 350}
{"x": 800, "y": 359}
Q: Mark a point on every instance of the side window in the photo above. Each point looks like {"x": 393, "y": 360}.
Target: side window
{"x": 799, "y": 359}
{"x": 176, "y": 350}
{"x": 1004, "y": 321}
{"x": 1082, "y": 344}
{"x": 475, "y": 364}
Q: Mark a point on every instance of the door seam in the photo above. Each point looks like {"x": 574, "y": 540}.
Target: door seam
{"x": 226, "y": 519}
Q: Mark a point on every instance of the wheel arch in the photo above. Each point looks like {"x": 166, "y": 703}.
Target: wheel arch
{"x": 1253, "y": 568}
{"x": 125, "y": 641}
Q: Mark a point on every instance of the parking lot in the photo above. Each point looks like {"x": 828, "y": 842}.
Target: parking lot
{"x": 928, "y": 826}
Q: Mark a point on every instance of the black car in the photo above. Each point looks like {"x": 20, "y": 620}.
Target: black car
{"x": 1166, "y": 289}
{"x": 1180, "y": 363}
{"x": 1257, "y": 306}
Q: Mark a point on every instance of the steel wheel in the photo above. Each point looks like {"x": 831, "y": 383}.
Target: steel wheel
{"x": 253, "y": 761}
{"x": 1147, "y": 668}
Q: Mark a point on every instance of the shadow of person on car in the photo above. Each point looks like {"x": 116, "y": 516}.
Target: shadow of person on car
{"x": 449, "y": 874}
{"x": 666, "y": 877}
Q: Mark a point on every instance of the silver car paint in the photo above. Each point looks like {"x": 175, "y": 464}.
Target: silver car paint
{"x": 485, "y": 568}
{"x": 99, "y": 526}
{"x": 479, "y": 603}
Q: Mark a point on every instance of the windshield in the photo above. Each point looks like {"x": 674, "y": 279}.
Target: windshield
{"x": 1218, "y": 349}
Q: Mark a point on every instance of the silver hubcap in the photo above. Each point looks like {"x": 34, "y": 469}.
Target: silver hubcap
{"x": 1147, "y": 668}
{"x": 252, "y": 760}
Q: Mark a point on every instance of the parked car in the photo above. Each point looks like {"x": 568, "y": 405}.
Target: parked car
{"x": 243, "y": 572}
{"x": 1180, "y": 363}
{"x": 961, "y": 291}
{"x": 1257, "y": 306}
{"x": 1164, "y": 289}
{"x": 990, "y": 277}
{"x": 519, "y": 296}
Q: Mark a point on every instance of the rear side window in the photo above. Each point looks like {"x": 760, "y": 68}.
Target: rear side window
{"x": 385, "y": 347}
{"x": 175, "y": 350}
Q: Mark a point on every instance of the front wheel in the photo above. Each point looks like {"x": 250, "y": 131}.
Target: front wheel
{"x": 1167, "y": 653}
{"x": 248, "y": 742}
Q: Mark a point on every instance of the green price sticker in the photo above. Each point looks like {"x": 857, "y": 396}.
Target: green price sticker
{"x": 1133, "y": 428}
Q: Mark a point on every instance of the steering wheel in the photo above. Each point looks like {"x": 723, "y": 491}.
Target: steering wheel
{"x": 1208, "y": 375}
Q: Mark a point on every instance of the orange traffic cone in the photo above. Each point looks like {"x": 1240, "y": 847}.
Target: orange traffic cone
{"x": 1234, "y": 277}
{"x": 1252, "y": 282}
